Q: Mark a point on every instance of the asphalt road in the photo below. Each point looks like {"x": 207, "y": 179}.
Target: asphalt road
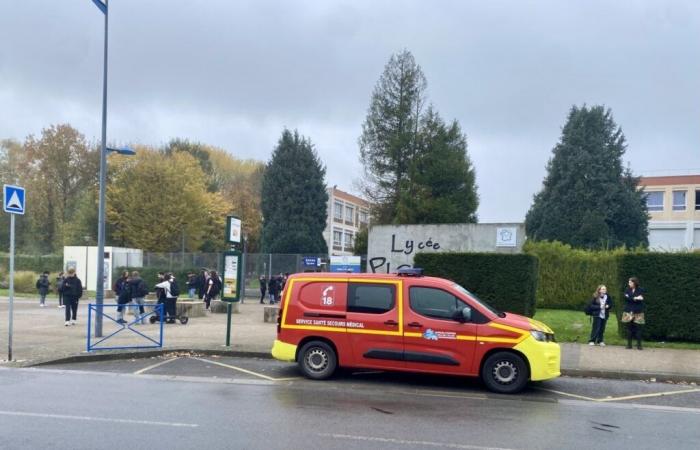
{"x": 210, "y": 402}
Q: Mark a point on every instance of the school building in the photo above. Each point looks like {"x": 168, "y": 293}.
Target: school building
{"x": 347, "y": 215}
{"x": 674, "y": 209}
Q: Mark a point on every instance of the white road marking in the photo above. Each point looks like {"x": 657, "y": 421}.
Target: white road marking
{"x": 98, "y": 419}
{"x": 162, "y": 363}
{"x": 249, "y": 372}
{"x": 582, "y": 397}
{"x": 407, "y": 442}
{"x": 653, "y": 394}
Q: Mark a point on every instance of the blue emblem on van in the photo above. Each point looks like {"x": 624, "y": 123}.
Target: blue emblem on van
{"x": 430, "y": 335}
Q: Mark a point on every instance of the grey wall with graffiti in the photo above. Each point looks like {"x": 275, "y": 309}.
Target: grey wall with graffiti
{"x": 392, "y": 247}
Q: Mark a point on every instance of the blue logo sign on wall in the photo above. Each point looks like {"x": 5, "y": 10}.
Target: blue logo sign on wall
{"x": 13, "y": 197}
{"x": 310, "y": 261}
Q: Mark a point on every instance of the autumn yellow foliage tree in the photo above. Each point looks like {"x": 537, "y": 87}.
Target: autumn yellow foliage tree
{"x": 153, "y": 198}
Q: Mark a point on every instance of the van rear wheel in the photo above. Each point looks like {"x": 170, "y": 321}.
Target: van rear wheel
{"x": 505, "y": 373}
{"x": 317, "y": 360}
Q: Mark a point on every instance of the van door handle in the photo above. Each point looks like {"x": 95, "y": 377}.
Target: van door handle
{"x": 415, "y": 325}
{"x": 391, "y": 322}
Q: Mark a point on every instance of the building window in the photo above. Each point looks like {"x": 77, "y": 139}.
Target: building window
{"x": 338, "y": 211}
{"x": 372, "y": 299}
{"x": 349, "y": 214}
{"x": 697, "y": 200}
{"x": 337, "y": 238}
{"x": 655, "y": 201}
{"x": 363, "y": 216}
{"x": 679, "y": 200}
{"x": 349, "y": 240}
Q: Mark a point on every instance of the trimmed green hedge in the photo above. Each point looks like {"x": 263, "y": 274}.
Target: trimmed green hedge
{"x": 672, "y": 299}
{"x": 34, "y": 263}
{"x": 508, "y": 282}
{"x": 150, "y": 276}
{"x": 568, "y": 277}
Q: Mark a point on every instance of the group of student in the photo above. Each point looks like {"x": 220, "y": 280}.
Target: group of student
{"x": 273, "y": 287}
{"x": 207, "y": 285}
{"x": 632, "y": 314}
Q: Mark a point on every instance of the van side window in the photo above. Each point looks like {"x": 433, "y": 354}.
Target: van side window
{"x": 434, "y": 303}
{"x": 371, "y": 298}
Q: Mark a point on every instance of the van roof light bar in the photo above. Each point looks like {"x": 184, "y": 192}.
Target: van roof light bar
{"x": 413, "y": 272}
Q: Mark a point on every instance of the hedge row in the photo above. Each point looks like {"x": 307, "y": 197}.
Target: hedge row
{"x": 34, "y": 263}
{"x": 672, "y": 299}
{"x": 568, "y": 277}
{"x": 505, "y": 281}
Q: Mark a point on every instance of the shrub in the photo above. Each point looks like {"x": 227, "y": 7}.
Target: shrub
{"x": 568, "y": 277}
{"x": 672, "y": 299}
{"x": 25, "y": 282}
{"x": 35, "y": 263}
{"x": 506, "y": 281}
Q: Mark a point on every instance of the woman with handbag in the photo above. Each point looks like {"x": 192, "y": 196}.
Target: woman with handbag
{"x": 599, "y": 310}
{"x": 633, "y": 313}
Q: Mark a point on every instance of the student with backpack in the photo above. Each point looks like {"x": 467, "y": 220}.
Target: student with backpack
{"x": 72, "y": 291}
{"x": 59, "y": 289}
{"x": 139, "y": 291}
{"x": 42, "y": 285}
{"x": 213, "y": 289}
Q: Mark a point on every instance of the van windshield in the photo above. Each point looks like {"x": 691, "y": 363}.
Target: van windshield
{"x": 478, "y": 300}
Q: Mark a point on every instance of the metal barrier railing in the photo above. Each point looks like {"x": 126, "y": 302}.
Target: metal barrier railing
{"x": 157, "y": 314}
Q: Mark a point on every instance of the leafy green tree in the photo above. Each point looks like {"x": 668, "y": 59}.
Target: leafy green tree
{"x": 444, "y": 181}
{"x": 294, "y": 198}
{"x": 389, "y": 138}
{"x": 201, "y": 153}
{"x": 589, "y": 200}
{"x": 361, "y": 242}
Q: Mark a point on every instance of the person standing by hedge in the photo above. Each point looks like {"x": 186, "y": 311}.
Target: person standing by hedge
{"x": 633, "y": 313}
{"x": 600, "y": 307}
{"x": 59, "y": 289}
{"x": 72, "y": 292}
{"x": 42, "y": 285}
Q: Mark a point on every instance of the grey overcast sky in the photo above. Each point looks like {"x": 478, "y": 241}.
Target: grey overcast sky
{"x": 234, "y": 73}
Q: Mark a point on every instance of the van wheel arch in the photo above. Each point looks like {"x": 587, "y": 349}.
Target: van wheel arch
{"x": 506, "y": 350}
{"x": 508, "y": 360}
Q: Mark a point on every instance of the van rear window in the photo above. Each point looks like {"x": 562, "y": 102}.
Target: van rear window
{"x": 371, "y": 298}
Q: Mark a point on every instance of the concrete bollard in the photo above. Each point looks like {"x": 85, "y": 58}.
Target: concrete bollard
{"x": 270, "y": 314}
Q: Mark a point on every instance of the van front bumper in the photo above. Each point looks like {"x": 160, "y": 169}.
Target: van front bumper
{"x": 283, "y": 351}
{"x": 544, "y": 358}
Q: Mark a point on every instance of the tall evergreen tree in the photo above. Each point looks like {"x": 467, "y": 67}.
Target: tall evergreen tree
{"x": 294, "y": 198}
{"x": 589, "y": 199}
{"x": 390, "y": 135}
{"x": 444, "y": 181}
{"x": 416, "y": 168}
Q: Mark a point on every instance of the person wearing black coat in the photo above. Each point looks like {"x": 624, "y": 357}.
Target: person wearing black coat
{"x": 72, "y": 290}
{"x": 263, "y": 287}
{"x": 599, "y": 309}
{"x": 42, "y": 285}
{"x": 633, "y": 312}
{"x": 272, "y": 289}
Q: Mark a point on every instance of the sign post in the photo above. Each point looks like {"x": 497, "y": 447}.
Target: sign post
{"x": 13, "y": 203}
{"x": 233, "y": 271}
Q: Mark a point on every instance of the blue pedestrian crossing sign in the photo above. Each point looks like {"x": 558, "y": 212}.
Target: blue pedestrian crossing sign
{"x": 13, "y": 199}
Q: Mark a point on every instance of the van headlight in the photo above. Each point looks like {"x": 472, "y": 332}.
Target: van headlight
{"x": 539, "y": 335}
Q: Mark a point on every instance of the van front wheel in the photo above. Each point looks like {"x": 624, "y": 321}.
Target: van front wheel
{"x": 317, "y": 360}
{"x": 505, "y": 373}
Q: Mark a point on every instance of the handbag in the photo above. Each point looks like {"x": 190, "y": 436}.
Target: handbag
{"x": 627, "y": 317}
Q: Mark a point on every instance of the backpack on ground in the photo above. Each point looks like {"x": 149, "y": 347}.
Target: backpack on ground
{"x": 174, "y": 288}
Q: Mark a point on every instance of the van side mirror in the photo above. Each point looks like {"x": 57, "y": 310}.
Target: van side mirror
{"x": 464, "y": 315}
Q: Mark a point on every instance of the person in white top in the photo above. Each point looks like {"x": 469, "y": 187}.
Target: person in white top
{"x": 600, "y": 307}
{"x": 169, "y": 285}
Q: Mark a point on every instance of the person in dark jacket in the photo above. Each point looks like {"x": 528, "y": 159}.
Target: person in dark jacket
{"x": 138, "y": 291}
{"x": 600, "y": 307}
{"x": 42, "y": 285}
{"x": 201, "y": 283}
{"x": 191, "y": 285}
{"x": 59, "y": 288}
{"x": 72, "y": 292}
{"x": 633, "y": 312}
{"x": 123, "y": 294}
{"x": 213, "y": 289}
{"x": 263, "y": 288}
{"x": 272, "y": 289}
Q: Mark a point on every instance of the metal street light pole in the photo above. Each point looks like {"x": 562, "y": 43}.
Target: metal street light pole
{"x": 100, "y": 289}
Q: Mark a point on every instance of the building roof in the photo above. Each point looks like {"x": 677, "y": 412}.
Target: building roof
{"x": 669, "y": 180}
{"x": 337, "y": 193}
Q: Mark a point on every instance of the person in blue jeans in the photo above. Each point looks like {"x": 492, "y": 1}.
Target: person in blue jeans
{"x": 191, "y": 285}
{"x": 600, "y": 307}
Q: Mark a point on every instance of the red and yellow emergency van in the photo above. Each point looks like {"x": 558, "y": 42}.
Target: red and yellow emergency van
{"x": 408, "y": 322}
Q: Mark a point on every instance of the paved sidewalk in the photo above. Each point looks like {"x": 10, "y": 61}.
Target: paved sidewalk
{"x": 39, "y": 336}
